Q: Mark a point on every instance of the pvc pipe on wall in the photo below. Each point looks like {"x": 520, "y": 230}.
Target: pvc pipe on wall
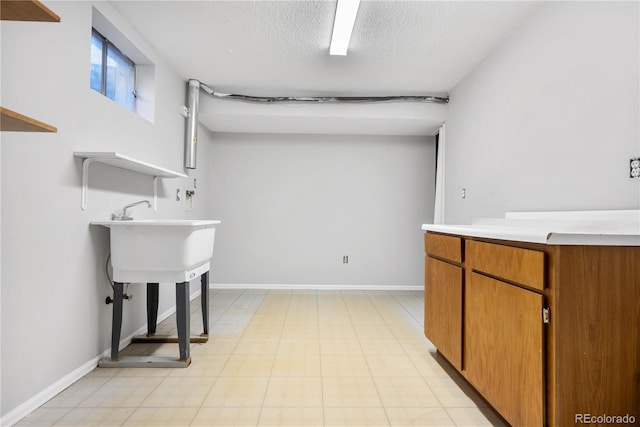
{"x": 191, "y": 141}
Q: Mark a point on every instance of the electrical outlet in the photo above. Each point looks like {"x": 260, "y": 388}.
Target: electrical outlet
{"x": 634, "y": 168}
{"x": 345, "y": 259}
{"x": 189, "y": 196}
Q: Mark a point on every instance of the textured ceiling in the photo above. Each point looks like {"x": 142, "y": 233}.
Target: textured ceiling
{"x": 281, "y": 48}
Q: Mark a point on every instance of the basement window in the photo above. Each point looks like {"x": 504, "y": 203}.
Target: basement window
{"x": 120, "y": 70}
{"x": 113, "y": 74}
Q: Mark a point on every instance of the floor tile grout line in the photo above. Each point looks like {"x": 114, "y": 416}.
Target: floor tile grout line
{"x": 78, "y": 406}
{"x": 413, "y": 363}
{"x": 384, "y": 407}
{"x": 423, "y": 378}
{"x": 229, "y": 307}
{"x": 324, "y": 422}
{"x": 369, "y": 366}
{"x": 273, "y": 362}
{"x": 212, "y": 296}
{"x": 405, "y": 308}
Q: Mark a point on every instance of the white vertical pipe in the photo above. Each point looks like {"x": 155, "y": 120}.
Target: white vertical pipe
{"x": 190, "y": 146}
{"x": 438, "y": 212}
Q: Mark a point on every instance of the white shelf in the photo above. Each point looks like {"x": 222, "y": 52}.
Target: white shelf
{"x": 122, "y": 161}
{"x": 125, "y": 162}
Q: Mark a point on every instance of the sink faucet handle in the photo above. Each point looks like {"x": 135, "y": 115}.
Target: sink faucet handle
{"x": 124, "y": 215}
{"x": 117, "y": 215}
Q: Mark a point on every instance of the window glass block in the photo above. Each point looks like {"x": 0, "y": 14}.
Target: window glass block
{"x": 96, "y": 62}
{"x": 120, "y": 78}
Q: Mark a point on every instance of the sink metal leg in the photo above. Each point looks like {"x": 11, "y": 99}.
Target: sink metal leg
{"x": 183, "y": 324}
{"x": 116, "y": 322}
{"x": 182, "y": 319}
{"x": 152, "y": 308}
{"x": 204, "y": 301}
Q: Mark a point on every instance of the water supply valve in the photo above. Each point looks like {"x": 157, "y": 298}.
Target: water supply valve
{"x": 109, "y": 300}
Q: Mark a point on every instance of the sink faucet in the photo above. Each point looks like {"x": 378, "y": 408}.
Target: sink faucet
{"x": 124, "y": 216}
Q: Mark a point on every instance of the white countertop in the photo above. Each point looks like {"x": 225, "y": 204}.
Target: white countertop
{"x": 608, "y": 228}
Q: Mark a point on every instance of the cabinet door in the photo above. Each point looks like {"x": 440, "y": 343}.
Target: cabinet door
{"x": 504, "y": 348}
{"x": 443, "y": 308}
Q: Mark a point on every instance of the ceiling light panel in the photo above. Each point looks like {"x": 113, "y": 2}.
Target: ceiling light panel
{"x": 346, "y": 12}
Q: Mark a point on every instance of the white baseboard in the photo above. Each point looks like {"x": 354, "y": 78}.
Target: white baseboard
{"x": 316, "y": 287}
{"x": 50, "y": 392}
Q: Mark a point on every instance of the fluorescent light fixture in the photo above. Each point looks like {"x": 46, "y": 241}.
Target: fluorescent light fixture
{"x": 346, "y": 12}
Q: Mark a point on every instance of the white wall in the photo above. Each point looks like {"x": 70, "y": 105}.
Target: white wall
{"x": 551, "y": 119}
{"x": 54, "y": 318}
{"x": 294, "y": 205}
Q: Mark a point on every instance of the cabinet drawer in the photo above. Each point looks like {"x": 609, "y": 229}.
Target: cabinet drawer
{"x": 440, "y": 245}
{"x": 524, "y": 266}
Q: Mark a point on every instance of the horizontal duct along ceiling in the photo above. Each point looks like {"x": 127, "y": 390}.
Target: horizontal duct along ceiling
{"x": 385, "y": 115}
{"x": 332, "y": 99}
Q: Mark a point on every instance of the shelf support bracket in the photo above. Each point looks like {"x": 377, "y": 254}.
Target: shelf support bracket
{"x": 123, "y": 162}
{"x": 85, "y": 182}
{"x": 85, "y": 185}
{"x": 155, "y": 193}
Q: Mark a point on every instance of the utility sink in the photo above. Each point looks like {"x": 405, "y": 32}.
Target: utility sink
{"x": 152, "y": 252}
{"x": 144, "y": 251}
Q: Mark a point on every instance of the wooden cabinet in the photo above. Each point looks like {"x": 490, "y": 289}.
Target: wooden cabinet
{"x": 503, "y": 332}
{"x": 443, "y": 308}
{"x": 524, "y": 267}
{"x": 504, "y": 347}
{"x": 443, "y": 295}
{"x": 448, "y": 248}
{"x": 584, "y": 362}
{"x": 594, "y": 335}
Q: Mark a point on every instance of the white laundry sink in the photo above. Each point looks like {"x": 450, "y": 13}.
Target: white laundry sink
{"x": 144, "y": 251}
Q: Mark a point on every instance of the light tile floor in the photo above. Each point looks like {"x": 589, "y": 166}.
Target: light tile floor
{"x": 283, "y": 358}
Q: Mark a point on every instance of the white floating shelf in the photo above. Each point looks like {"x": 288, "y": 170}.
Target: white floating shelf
{"x": 124, "y": 162}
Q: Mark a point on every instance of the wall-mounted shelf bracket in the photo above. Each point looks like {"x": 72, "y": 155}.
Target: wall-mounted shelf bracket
{"x": 155, "y": 193}
{"x": 124, "y": 162}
